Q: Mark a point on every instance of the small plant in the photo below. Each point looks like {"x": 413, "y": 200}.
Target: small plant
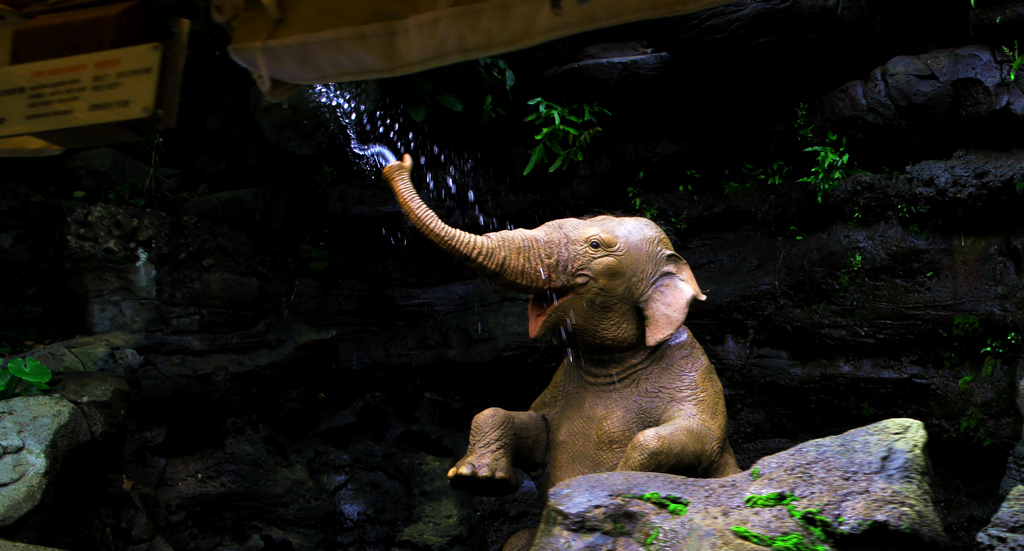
{"x": 752, "y": 176}
{"x": 26, "y": 377}
{"x": 652, "y": 537}
{"x": 425, "y": 95}
{"x": 564, "y": 132}
{"x": 976, "y": 352}
{"x": 636, "y": 199}
{"x": 320, "y": 256}
{"x": 785, "y": 542}
{"x": 755, "y": 473}
{"x": 803, "y": 126}
{"x": 773, "y": 499}
{"x": 832, "y": 165}
{"x": 673, "y": 504}
{"x": 496, "y": 73}
{"x": 809, "y": 519}
{"x": 855, "y": 264}
{"x": 1017, "y": 58}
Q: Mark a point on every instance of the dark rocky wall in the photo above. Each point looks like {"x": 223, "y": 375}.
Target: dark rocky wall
{"x": 304, "y": 366}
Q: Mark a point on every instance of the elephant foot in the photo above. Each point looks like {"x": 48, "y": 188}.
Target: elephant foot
{"x": 484, "y": 475}
{"x": 521, "y": 540}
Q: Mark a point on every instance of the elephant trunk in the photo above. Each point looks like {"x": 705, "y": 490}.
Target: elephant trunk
{"x": 518, "y": 258}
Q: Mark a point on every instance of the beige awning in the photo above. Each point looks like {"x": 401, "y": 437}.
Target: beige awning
{"x": 318, "y": 41}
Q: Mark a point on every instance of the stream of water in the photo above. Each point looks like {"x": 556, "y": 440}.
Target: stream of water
{"x": 379, "y": 132}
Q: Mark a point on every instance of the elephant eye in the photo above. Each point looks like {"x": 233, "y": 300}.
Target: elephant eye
{"x": 595, "y": 245}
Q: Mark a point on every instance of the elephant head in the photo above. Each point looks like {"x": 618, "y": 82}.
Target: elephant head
{"x": 615, "y": 282}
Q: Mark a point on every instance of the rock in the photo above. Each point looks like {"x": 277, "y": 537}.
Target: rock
{"x": 439, "y": 510}
{"x": 36, "y": 434}
{"x": 998, "y": 21}
{"x": 615, "y": 62}
{"x": 102, "y": 399}
{"x": 753, "y": 21}
{"x": 112, "y": 353}
{"x": 247, "y": 473}
{"x": 126, "y": 171}
{"x": 870, "y": 485}
{"x": 239, "y": 206}
{"x": 15, "y": 546}
{"x": 954, "y": 90}
{"x": 294, "y": 125}
{"x": 117, "y": 279}
{"x": 1014, "y": 476}
{"x": 1006, "y": 531}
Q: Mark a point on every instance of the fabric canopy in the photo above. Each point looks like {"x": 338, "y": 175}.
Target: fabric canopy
{"x": 319, "y": 41}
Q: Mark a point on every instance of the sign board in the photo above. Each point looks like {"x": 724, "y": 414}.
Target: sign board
{"x": 95, "y": 88}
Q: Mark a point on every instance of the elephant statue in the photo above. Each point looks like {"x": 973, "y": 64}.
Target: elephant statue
{"x": 635, "y": 392}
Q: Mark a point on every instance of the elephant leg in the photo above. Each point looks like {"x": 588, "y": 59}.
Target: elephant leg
{"x": 497, "y": 438}
{"x": 678, "y": 445}
{"x": 521, "y": 540}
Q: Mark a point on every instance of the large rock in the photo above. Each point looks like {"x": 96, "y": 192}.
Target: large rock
{"x": 36, "y": 433}
{"x": 871, "y": 485}
{"x": 965, "y": 89}
{"x": 1006, "y": 531}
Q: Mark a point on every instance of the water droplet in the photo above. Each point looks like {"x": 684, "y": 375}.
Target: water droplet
{"x": 542, "y": 276}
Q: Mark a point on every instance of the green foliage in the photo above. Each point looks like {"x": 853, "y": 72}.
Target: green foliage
{"x": 773, "y": 499}
{"x": 672, "y": 503}
{"x": 496, "y": 71}
{"x": 565, "y": 132}
{"x": 785, "y": 542}
{"x": 636, "y": 196}
{"x": 652, "y": 537}
{"x": 426, "y": 95}
{"x": 319, "y": 255}
{"x": 977, "y": 353}
{"x": 812, "y": 521}
{"x": 809, "y": 519}
{"x": 803, "y": 126}
{"x": 753, "y": 176}
{"x": 1017, "y": 58}
{"x": 26, "y": 377}
{"x": 832, "y": 165}
{"x": 755, "y": 473}
{"x": 496, "y": 74}
{"x": 855, "y": 263}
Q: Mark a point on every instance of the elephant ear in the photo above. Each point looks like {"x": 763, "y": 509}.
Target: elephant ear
{"x": 666, "y": 304}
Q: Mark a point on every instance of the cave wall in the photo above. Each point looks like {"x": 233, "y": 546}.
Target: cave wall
{"x": 303, "y": 366}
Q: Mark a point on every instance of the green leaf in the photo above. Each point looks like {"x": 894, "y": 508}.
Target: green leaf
{"x": 421, "y": 85}
{"x": 8, "y": 383}
{"x": 986, "y": 369}
{"x": 30, "y": 370}
{"x": 78, "y": 194}
{"x": 538, "y": 152}
{"x": 449, "y": 101}
{"x": 417, "y": 111}
{"x": 534, "y": 101}
{"x": 556, "y": 163}
{"x": 510, "y": 77}
{"x": 30, "y": 390}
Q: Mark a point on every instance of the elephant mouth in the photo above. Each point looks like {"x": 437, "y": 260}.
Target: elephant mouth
{"x": 541, "y": 306}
